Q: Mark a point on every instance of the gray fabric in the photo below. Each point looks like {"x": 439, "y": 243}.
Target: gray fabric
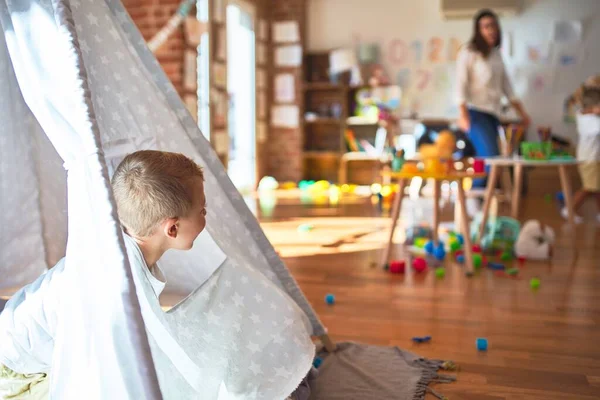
{"x": 363, "y": 372}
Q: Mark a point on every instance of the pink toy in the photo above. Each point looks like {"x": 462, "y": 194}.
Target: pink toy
{"x": 397, "y": 267}
{"x": 419, "y": 264}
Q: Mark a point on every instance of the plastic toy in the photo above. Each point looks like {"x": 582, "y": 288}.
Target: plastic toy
{"x": 330, "y": 299}
{"x": 439, "y": 253}
{"x": 477, "y": 260}
{"x": 496, "y": 266}
{"x": 440, "y": 272}
{"x": 305, "y": 227}
{"x": 506, "y": 256}
{"x": 476, "y": 248}
{"x": 535, "y": 241}
{"x": 442, "y": 148}
{"x": 419, "y": 264}
{"x": 534, "y": 283}
{"x": 512, "y": 271}
{"x": 429, "y": 247}
{"x": 460, "y": 239}
{"x": 500, "y": 233}
{"x": 421, "y": 339}
{"x": 397, "y": 267}
{"x": 460, "y": 258}
{"x": 482, "y": 344}
{"x": 418, "y": 231}
{"x": 455, "y": 246}
{"x": 317, "y": 362}
{"x": 420, "y": 242}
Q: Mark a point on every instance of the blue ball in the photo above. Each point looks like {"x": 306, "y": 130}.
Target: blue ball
{"x": 317, "y": 362}
{"x": 482, "y": 344}
{"x": 329, "y": 299}
{"x": 460, "y": 258}
{"x": 460, "y": 239}
{"x": 429, "y": 247}
{"x": 440, "y": 253}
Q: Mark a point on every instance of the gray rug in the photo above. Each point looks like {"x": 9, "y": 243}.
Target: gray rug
{"x": 363, "y": 372}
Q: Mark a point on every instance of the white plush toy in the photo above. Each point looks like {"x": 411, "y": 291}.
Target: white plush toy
{"x": 535, "y": 241}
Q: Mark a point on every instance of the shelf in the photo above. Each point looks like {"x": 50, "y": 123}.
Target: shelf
{"x": 321, "y": 154}
{"x": 323, "y": 86}
{"x": 323, "y": 121}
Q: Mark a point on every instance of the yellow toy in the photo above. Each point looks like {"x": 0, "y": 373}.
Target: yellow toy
{"x": 442, "y": 149}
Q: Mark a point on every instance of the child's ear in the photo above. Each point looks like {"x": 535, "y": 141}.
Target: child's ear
{"x": 171, "y": 227}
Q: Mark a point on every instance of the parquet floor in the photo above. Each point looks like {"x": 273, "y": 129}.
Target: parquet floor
{"x": 543, "y": 344}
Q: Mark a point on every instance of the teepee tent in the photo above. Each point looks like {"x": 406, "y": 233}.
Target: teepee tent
{"x": 79, "y": 90}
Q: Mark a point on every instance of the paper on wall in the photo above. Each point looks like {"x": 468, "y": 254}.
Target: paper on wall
{"x": 261, "y": 78}
{"x": 261, "y": 54}
{"x": 284, "y": 88}
{"x": 541, "y": 80}
{"x": 569, "y": 56}
{"x": 261, "y": 132}
{"x": 567, "y": 31}
{"x": 262, "y": 30}
{"x": 219, "y": 11}
{"x": 261, "y": 104}
{"x": 285, "y": 116}
{"x": 221, "y": 45}
{"x": 190, "y": 74}
{"x": 288, "y": 56}
{"x": 220, "y": 141}
{"x": 286, "y": 32}
{"x": 538, "y": 52}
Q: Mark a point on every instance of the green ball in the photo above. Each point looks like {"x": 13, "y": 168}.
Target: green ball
{"x": 512, "y": 271}
{"x": 535, "y": 283}
{"x": 440, "y": 272}
{"x": 455, "y": 245}
{"x": 548, "y": 198}
{"x": 477, "y": 260}
{"x": 506, "y": 256}
{"x": 420, "y": 242}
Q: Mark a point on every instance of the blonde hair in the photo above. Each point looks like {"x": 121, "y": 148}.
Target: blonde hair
{"x": 151, "y": 186}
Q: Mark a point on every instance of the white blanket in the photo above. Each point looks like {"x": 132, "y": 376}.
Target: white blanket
{"x": 238, "y": 336}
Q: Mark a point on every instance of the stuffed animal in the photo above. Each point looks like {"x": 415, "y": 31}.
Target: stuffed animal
{"x": 442, "y": 148}
{"x": 535, "y": 241}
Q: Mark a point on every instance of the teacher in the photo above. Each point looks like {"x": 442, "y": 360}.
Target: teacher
{"x": 482, "y": 82}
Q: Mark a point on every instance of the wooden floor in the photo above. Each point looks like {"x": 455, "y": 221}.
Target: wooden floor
{"x": 543, "y": 344}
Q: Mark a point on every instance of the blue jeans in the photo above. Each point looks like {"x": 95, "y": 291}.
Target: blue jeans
{"x": 484, "y": 137}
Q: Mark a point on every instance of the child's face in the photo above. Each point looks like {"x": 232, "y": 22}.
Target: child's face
{"x": 190, "y": 226}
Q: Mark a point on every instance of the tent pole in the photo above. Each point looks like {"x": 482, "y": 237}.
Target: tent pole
{"x": 328, "y": 343}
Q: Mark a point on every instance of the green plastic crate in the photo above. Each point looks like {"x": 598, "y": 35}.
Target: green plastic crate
{"x": 536, "y": 150}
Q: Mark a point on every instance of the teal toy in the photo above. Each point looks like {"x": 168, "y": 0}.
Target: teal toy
{"x": 500, "y": 233}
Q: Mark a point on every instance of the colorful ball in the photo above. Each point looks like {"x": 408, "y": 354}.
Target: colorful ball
{"x": 429, "y": 247}
{"x": 317, "y": 362}
{"x": 329, "y": 298}
{"x": 476, "y": 248}
{"x": 460, "y": 258}
{"x": 420, "y": 242}
{"x": 460, "y": 239}
{"x": 419, "y": 264}
{"x": 512, "y": 271}
{"x": 477, "y": 260}
{"x": 397, "y": 267}
{"x": 440, "y": 252}
{"x": 440, "y": 272}
{"x": 506, "y": 256}
{"x": 495, "y": 266}
{"x": 455, "y": 245}
{"x": 482, "y": 344}
{"x": 534, "y": 283}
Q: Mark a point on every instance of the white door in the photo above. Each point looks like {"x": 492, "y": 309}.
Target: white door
{"x": 242, "y": 94}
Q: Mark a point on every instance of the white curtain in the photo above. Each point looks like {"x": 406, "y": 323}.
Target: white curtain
{"x": 102, "y": 350}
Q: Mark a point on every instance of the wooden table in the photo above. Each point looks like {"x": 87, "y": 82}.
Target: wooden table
{"x": 403, "y": 179}
{"x": 518, "y": 164}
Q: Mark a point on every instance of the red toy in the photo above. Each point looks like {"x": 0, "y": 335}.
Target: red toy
{"x": 476, "y": 248}
{"x": 419, "y": 264}
{"x": 397, "y": 267}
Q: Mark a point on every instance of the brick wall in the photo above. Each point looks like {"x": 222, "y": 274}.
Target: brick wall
{"x": 285, "y": 145}
{"x": 150, "y": 16}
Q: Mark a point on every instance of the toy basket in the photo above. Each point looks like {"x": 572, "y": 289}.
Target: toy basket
{"x": 536, "y": 150}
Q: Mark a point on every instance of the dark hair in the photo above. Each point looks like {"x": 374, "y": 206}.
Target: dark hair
{"x": 477, "y": 42}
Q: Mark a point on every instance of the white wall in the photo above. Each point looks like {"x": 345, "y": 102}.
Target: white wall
{"x": 339, "y": 23}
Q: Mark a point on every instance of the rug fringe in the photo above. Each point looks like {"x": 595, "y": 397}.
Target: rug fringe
{"x": 430, "y": 375}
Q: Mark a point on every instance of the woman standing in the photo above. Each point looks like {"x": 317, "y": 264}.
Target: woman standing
{"x": 482, "y": 83}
